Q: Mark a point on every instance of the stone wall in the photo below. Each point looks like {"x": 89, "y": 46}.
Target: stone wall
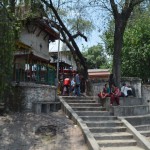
{"x": 146, "y": 93}
{"x": 135, "y": 83}
{"x": 95, "y": 86}
{"x": 36, "y": 92}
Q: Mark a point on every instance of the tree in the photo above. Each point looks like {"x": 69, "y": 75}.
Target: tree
{"x": 96, "y": 57}
{"x": 120, "y": 25}
{"x": 7, "y": 38}
{"x": 135, "y": 52}
{"x": 121, "y": 12}
{"x": 67, "y": 36}
{"x": 9, "y": 31}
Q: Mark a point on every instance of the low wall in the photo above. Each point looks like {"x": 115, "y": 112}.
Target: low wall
{"x": 146, "y": 93}
{"x": 135, "y": 83}
{"x": 94, "y": 86}
{"x": 32, "y": 92}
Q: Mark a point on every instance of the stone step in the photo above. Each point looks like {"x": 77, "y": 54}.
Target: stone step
{"x": 84, "y": 104}
{"x": 98, "y": 118}
{"x": 124, "y": 148}
{"x": 130, "y": 110}
{"x": 113, "y": 136}
{"x": 110, "y": 123}
{"x": 88, "y": 108}
{"x": 139, "y": 120}
{"x": 145, "y": 133}
{"x": 143, "y": 127}
{"x": 81, "y": 101}
{"x": 107, "y": 129}
{"x": 93, "y": 113}
{"x": 77, "y": 97}
{"x": 130, "y": 101}
{"x": 117, "y": 143}
{"x": 124, "y": 101}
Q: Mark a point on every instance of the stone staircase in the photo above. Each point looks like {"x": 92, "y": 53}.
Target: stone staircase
{"x": 141, "y": 123}
{"x": 108, "y": 131}
{"x": 129, "y": 106}
{"x": 135, "y": 112}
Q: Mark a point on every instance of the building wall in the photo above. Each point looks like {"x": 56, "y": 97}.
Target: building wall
{"x": 35, "y": 41}
{"x": 64, "y": 56}
{"x": 67, "y": 58}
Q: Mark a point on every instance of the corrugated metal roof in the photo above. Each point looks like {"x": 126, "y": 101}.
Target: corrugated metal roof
{"x": 101, "y": 73}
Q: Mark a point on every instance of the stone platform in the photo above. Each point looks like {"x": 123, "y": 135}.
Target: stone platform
{"x": 45, "y": 107}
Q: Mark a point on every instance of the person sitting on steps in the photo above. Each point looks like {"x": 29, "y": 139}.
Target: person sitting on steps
{"x": 115, "y": 94}
{"x": 105, "y": 92}
{"x": 126, "y": 90}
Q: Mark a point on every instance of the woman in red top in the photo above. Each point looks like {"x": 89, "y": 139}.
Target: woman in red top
{"x": 115, "y": 95}
{"x": 105, "y": 92}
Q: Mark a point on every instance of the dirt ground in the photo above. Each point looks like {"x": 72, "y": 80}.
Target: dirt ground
{"x": 28, "y": 131}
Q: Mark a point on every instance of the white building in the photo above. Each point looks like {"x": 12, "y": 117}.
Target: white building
{"x": 59, "y": 49}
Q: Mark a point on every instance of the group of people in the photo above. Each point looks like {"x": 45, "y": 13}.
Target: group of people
{"x": 114, "y": 92}
{"x": 71, "y": 87}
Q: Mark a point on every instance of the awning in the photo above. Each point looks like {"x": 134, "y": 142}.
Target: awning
{"x": 61, "y": 64}
{"x": 23, "y": 45}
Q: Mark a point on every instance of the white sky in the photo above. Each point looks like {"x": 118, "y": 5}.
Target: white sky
{"x": 53, "y": 46}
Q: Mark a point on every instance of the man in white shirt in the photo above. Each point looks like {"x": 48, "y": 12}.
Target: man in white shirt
{"x": 126, "y": 90}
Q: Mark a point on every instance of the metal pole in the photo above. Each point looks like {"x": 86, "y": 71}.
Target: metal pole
{"x": 58, "y": 61}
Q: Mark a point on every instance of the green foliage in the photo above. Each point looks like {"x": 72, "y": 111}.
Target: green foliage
{"x": 80, "y": 24}
{"x": 96, "y": 57}
{"x": 72, "y": 15}
{"x": 108, "y": 38}
{"x": 16, "y": 97}
{"x": 7, "y": 46}
{"x": 136, "y": 50}
{"x": 11, "y": 16}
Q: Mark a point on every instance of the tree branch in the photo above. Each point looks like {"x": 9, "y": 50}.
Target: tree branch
{"x": 114, "y": 8}
{"x": 135, "y": 2}
{"x": 80, "y": 34}
{"x": 128, "y": 8}
{"x": 68, "y": 34}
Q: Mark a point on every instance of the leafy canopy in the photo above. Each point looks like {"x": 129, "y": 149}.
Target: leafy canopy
{"x": 96, "y": 57}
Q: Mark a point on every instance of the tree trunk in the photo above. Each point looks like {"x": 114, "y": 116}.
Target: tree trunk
{"x": 118, "y": 43}
{"x": 120, "y": 24}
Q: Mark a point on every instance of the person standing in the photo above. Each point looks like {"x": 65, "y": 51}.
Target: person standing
{"x": 72, "y": 88}
{"x": 66, "y": 86}
{"x": 77, "y": 84}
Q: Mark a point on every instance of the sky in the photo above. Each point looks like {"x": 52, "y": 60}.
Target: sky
{"x": 92, "y": 39}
